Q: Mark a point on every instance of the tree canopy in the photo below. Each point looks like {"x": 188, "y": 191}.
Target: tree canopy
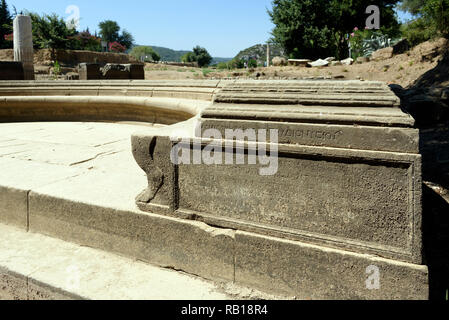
{"x": 318, "y": 28}
{"x": 199, "y": 55}
{"x": 431, "y": 19}
{"x": 110, "y": 32}
{"x": 143, "y": 51}
{"x": 51, "y": 32}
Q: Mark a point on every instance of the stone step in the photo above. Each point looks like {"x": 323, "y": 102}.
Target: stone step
{"x": 37, "y": 267}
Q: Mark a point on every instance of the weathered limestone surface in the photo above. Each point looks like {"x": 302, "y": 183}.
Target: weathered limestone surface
{"x": 47, "y": 269}
{"x": 192, "y": 90}
{"x": 349, "y": 170}
{"x": 347, "y": 199}
{"x": 299, "y": 62}
{"x": 111, "y": 71}
{"x": 85, "y": 193}
{"x": 23, "y": 45}
{"x": 89, "y": 71}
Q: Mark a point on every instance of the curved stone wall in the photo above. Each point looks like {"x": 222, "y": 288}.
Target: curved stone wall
{"x": 163, "y": 102}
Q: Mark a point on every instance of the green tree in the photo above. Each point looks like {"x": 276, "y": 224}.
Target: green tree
{"x": 5, "y": 24}
{"x": 412, "y": 6}
{"x": 126, "y": 39}
{"x": 110, "y": 32}
{"x": 142, "y": 51}
{"x": 202, "y": 56}
{"x": 436, "y": 12}
{"x": 199, "y": 55}
{"x": 318, "y": 28}
{"x": 188, "y": 57}
{"x": 51, "y": 32}
{"x": 432, "y": 19}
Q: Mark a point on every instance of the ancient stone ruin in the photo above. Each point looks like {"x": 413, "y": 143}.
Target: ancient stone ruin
{"x": 111, "y": 71}
{"x": 306, "y": 189}
{"x": 348, "y": 177}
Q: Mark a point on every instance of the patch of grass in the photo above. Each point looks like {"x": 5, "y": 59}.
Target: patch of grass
{"x": 206, "y": 71}
{"x": 401, "y": 68}
{"x": 196, "y": 74}
{"x": 181, "y": 70}
{"x": 345, "y": 70}
{"x": 411, "y": 63}
{"x": 193, "y": 71}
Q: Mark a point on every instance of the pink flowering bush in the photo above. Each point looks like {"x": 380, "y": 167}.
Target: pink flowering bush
{"x": 365, "y": 42}
{"x": 116, "y": 47}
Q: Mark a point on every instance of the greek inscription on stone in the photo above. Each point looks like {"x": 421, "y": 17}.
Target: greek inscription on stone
{"x": 309, "y": 134}
{"x": 292, "y": 133}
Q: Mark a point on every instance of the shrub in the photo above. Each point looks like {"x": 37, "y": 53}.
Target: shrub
{"x": 418, "y": 31}
{"x": 365, "y": 42}
{"x": 236, "y": 64}
{"x": 188, "y": 57}
{"x": 222, "y": 66}
{"x": 206, "y": 71}
{"x": 85, "y": 41}
{"x": 145, "y": 51}
{"x": 199, "y": 55}
{"x": 252, "y": 63}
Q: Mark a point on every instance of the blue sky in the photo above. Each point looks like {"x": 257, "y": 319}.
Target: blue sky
{"x": 224, "y": 27}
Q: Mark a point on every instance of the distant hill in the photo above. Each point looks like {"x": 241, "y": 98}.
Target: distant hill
{"x": 216, "y": 60}
{"x": 169, "y": 54}
{"x": 259, "y": 52}
{"x": 175, "y": 55}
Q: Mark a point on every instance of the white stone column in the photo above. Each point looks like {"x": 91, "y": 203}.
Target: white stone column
{"x": 268, "y": 54}
{"x": 23, "y": 45}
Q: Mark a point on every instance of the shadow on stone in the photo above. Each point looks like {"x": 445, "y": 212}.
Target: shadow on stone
{"x": 427, "y": 100}
{"x": 436, "y": 242}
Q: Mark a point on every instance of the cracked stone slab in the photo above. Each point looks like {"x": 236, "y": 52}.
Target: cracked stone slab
{"x": 35, "y": 155}
{"x": 68, "y": 133}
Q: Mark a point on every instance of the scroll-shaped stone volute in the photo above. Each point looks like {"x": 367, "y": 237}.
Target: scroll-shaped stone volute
{"x": 143, "y": 151}
{"x": 152, "y": 154}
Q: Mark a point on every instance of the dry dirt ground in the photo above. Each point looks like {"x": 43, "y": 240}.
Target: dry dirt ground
{"x": 401, "y": 69}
